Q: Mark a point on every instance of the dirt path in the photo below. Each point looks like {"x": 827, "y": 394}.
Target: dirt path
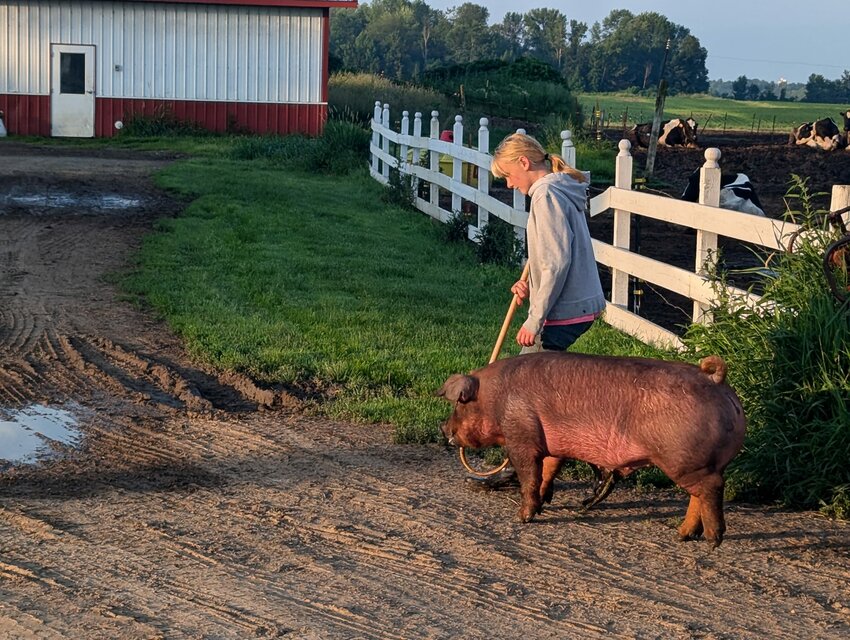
{"x": 199, "y": 506}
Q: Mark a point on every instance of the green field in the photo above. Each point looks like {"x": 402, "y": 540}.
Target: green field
{"x": 713, "y": 114}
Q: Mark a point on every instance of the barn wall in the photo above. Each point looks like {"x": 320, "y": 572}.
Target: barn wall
{"x": 164, "y": 52}
{"x": 30, "y": 115}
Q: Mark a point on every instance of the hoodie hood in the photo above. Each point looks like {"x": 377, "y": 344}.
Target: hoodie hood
{"x": 572, "y": 189}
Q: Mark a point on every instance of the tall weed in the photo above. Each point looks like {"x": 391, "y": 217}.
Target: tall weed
{"x": 789, "y": 360}
{"x": 342, "y": 147}
{"x": 354, "y": 94}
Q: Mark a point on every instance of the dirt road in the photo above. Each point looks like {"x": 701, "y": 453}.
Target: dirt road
{"x": 197, "y": 505}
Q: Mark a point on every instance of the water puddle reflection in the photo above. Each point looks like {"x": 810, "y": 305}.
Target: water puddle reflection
{"x": 65, "y": 200}
{"x": 35, "y": 433}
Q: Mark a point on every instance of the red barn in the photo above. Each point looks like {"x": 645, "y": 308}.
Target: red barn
{"x": 80, "y": 68}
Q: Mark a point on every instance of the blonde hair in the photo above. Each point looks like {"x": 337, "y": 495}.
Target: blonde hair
{"x": 516, "y": 145}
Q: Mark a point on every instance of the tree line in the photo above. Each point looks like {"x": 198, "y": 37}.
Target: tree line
{"x": 403, "y": 39}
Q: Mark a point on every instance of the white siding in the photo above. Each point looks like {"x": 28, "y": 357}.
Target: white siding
{"x": 180, "y": 51}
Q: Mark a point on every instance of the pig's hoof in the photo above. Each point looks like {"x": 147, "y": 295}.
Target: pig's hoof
{"x": 527, "y": 515}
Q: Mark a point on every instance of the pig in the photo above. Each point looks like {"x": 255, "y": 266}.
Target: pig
{"x": 617, "y": 413}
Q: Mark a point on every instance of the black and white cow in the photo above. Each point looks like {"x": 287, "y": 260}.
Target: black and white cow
{"x": 675, "y": 132}
{"x": 820, "y": 134}
{"x": 736, "y": 193}
{"x": 846, "y": 116}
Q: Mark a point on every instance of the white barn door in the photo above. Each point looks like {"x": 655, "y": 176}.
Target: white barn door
{"x": 72, "y": 90}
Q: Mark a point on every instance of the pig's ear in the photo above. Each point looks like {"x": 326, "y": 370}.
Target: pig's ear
{"x": 459, "y": 388}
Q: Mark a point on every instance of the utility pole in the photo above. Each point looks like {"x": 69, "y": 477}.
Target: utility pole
{"x": 659, "y": 112}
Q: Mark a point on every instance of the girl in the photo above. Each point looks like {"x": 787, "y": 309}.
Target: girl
{"x": 563, "y": 284}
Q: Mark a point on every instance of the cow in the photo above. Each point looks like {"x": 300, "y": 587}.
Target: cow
{"x": 675, "y": 132}
{"x": 736, "y": 193}
{"x": 846, "y": 116}
{"x": 820, "y": 134}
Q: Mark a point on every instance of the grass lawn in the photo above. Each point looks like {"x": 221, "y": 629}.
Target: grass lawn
{"x": 309, "y": 279}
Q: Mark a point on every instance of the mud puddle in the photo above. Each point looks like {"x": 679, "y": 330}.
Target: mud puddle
{"x": 35, "y": 433}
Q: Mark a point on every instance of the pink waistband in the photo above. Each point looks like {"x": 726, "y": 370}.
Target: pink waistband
{"x": 560, "y": 323}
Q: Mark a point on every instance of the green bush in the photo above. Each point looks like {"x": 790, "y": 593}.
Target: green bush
{"x": 789, "y": 360}
{"x": 399, "y": 190}
{"x": 456, "y": 228}
{"x": 498, "y": 244}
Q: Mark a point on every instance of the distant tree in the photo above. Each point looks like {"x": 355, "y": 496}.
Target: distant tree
{"x": 469, "y": 38}
{"x": 510, "y": 36}
{"x": 752, "y": 92}
{"x": 432, "y": 26}
{"x": 578, "y": 56}
{"x": 628, "y": 51}
{"x": 686, "y": 70}
{"x": 844, "y": 86}
{"x": 546, "y": 35}
{"x": 739, "y": 88}
{"x": 768, "y": 93}
{"x": 393, "y": 29}
{"x": 346, "y": 26}
{"x": 819, "y": 89}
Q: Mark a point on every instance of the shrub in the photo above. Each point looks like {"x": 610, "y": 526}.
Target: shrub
{"x": 399, "y": 190}
{"x": 789, "y": 360}
{"x": 456, "y": 228}
{"x": 498, "y": 244}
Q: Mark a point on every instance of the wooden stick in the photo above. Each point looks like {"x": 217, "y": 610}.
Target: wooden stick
{"x": 508, "y": 317}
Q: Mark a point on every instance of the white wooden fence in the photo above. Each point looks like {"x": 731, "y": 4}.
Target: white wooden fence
{"x": 408, "y": 152}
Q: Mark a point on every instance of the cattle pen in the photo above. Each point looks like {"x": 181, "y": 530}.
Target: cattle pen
{"x": 469, "y": 184}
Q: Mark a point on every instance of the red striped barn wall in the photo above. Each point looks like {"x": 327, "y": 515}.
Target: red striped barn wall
{"x": 30, "y": 115}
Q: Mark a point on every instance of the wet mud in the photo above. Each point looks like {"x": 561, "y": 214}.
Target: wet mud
{"x": 195, "y": 503}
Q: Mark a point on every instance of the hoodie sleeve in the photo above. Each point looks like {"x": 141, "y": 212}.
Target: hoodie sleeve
{"x": 550, "y": 256}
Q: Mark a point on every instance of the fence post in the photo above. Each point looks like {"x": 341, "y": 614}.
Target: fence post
{"x": 417, "y": 150}
{"x": 483, "y": 174}
{"x": 709, "y": 194}
{"x": 568, "y": 149}
{"x": 376, "y": 137}
{"x": 457, "y": 163}
{"x": 405, "y": 130}
{"x": 434, "y": 194}
{"x": 840, "y": 200}
{"x": 385, "y": 119}
{"x": 622, "y": 224}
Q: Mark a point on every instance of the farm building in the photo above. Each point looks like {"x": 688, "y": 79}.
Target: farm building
{"x": 81, "y": 68}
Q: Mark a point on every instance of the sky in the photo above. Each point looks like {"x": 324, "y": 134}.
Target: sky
{"x": 759, "y": 39}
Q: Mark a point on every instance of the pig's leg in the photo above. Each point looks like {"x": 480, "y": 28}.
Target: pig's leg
{"x": 692, "y": 526}
{"x": 529, "y": 470}
{"x": 711, "y": 508}
{"x": 551, "y": 467}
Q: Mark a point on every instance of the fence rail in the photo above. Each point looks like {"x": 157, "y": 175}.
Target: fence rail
{"x": 408, "y": 152}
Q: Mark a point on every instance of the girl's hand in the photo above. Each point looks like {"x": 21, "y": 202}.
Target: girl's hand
{"x": 525, "y": 338}
{"x": 520, "y": 290}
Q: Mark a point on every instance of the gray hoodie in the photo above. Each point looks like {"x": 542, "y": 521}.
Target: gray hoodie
{"x": 563, "y": 279}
